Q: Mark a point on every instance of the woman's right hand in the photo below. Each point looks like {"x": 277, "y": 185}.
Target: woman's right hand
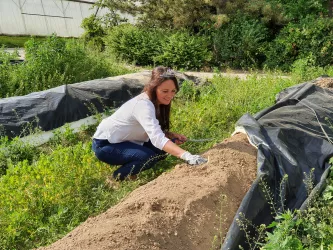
{"x": 193, "y": 159}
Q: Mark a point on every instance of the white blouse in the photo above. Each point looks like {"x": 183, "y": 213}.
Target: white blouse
{"x": 134, "y": 121}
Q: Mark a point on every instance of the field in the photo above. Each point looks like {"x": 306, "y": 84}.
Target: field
{"x": 49, "y": 190}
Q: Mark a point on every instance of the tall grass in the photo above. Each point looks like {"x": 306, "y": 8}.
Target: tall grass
{"x": 210, "y": 111}
{"x": 54, "y": 62}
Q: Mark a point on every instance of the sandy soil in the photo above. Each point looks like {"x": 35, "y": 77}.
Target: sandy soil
{"x": 182, "y": 209}
{"x": 325, "y": 82}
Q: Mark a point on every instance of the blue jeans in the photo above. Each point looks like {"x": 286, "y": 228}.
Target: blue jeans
{"x": 134, "y": 158}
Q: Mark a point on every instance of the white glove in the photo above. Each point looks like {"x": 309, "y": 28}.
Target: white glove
{"x": 193, "y": 159}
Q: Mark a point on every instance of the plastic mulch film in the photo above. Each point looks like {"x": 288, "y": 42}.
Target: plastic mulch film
{"x": 53, "y": 108}
{"x": 293, "y": 138}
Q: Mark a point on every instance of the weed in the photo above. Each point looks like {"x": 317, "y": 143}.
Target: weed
{"x": 53, "y": 62}
{"x": 218, "y": 238}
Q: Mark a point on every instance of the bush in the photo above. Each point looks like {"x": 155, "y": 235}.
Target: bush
{"x": 312, "y": 37}
{"x": 184, "y": 50}
{"x": 134, "y": 44}
{"x": 299, "y": 9}
{"x": 239, "y": 43}
{"x": 93, "y": 31}
{"x": 52, "y": 63}
{"x": 154, "y": 46}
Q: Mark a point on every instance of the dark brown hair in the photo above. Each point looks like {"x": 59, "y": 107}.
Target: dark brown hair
{"x": 159, "y": 75}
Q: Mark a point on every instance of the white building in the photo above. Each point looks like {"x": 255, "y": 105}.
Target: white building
{"x": 45, "y": 17}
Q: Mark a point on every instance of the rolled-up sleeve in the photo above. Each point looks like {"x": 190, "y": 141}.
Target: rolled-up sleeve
{"x": 144, "y": 112}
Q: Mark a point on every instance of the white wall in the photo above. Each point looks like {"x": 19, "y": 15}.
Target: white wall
{"x": 44, "y": 17}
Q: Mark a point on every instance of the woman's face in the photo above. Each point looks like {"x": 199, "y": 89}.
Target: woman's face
{"x": 165, "y": 92}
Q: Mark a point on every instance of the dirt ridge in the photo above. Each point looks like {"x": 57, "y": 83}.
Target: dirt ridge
{"x": 181, "y": 209}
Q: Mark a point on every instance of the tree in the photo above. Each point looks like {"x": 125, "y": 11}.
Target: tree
{"x": 173, "y": 14}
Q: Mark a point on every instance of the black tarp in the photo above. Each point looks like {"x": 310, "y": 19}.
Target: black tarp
{"x": 293, "y": 137}
{"x": 54, "y": 107}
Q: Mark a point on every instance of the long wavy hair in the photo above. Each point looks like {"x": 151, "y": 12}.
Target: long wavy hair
{"x": 158, "y": 76}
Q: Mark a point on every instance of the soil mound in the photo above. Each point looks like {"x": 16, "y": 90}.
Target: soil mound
{"x": 183, "y": 209}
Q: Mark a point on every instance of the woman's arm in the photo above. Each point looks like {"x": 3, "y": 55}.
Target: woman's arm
{"x": 173, "y": 149}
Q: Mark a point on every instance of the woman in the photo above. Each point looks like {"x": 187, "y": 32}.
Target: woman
{"x": 137, "y": 135}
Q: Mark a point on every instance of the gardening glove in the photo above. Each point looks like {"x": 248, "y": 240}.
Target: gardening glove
{"x": 193, "y": 159}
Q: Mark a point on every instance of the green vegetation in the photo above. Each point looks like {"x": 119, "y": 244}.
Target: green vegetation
{"x": 160, "y": 47}
{"x": 190, "y": 35}
{"x": 47, "y": 191}
{"x": 16, "y": 41}
{"x": 236, "y": 34}
{"x": 44, "y": 197}
{"x": 51, "y": 63}
{"x": 307, "y": 229}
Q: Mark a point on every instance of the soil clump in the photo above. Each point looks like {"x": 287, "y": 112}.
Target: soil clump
{"x": 325, "y": 82}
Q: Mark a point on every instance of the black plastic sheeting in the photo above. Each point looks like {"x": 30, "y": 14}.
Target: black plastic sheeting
{"x": 293, "y": 137}
{"x": 53, "y": 108}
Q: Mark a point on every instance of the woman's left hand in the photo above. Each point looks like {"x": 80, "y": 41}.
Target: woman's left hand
{"x": 178, "y": 138}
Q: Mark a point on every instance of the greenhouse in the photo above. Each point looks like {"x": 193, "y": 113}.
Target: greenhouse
{"x": 45, "y": 17}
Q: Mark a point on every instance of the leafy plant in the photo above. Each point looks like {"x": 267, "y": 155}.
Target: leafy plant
{"x": 310, "y": 38}
{"x": 15, "y": 151}
{"x": 184, "y": 51}
{"x": 135, "y": 44}
{"x": 95, "y": 28}
{"x": 51, "y": 63}
{"x": 239, "y": 43}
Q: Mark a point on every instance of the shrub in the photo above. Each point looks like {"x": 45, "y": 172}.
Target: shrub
{"x": 14, "y": 151}
{"x": 312, "y": 37}
{"x": 299, "y": 9}
{"x": 93, "y": 31}
{"x": 52, "y": 63}
{"x": 184, "y": 50}
{"x": 239, "y": 43}
{"x": 134, "y": 44}
{"x": 5, "y": 67}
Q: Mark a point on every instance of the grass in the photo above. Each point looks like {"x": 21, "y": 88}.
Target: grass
{"x": 44, "y": 197}
{"x": 17, "y": 41}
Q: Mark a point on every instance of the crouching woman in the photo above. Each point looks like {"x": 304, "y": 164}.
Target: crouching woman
{"x": 137, "y": 135}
